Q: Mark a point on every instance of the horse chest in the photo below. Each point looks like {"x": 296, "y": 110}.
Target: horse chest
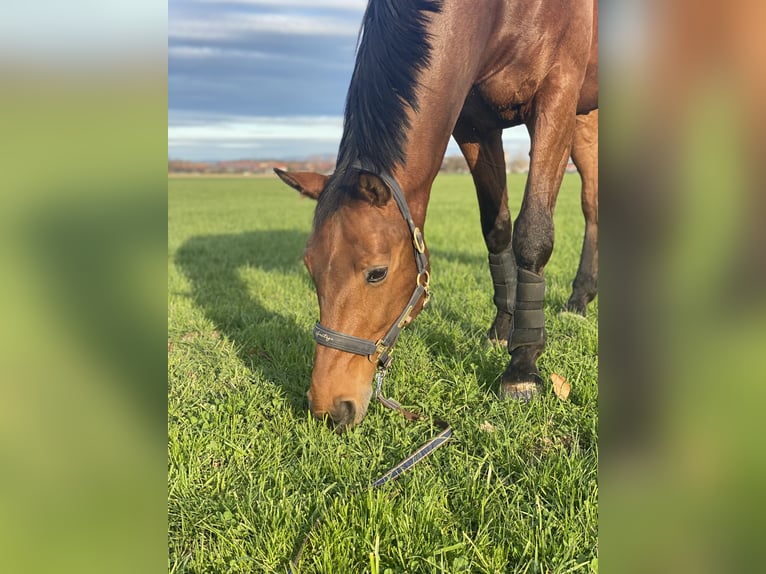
{"x": 508, "y": 98}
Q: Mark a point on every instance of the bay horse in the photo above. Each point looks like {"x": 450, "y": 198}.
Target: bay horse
{"x": 425, "y": 70}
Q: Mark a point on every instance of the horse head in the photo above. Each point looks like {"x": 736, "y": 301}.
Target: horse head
{"x": 360, "y": 257}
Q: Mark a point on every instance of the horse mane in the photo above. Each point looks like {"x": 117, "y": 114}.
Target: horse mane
{"x": 393, "y": 48}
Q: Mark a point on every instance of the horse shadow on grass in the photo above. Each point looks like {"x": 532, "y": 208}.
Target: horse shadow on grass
{"x": 213, "y": 265}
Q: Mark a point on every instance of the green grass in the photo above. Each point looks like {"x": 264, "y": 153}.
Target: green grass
{"x": 249, "y": 469}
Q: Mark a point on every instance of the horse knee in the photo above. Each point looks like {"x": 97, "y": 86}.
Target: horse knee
{"x": 533, "y": 239}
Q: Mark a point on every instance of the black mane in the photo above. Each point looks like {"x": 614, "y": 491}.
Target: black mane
{"x": 394, "y": 48}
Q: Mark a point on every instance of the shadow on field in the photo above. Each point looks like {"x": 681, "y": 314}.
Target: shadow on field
{"x": 462, "y": 257}
{"x": 456, "y": 312}
{"x": 213, "y": 263}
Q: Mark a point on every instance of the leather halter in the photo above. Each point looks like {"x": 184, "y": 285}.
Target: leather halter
{"x": 384, "y": 346}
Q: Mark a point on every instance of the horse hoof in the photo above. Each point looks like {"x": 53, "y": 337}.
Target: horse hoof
{"x": 519, "y": 391}
{"x": 575, "y": 307}
{"x": 572, "y": 314}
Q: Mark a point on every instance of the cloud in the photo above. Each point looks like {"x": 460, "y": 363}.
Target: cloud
{"x": 237, "y": 24}
{"x": 192, "y": 136}
{"x": 354, "y": 5}
{"x": 208, "y": 80}
{"x": 223, "y": 56}
{"x": 244, "y": 128}
{"x": 259, "y": 64}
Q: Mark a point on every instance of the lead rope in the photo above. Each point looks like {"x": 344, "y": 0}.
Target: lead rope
{"x": 423, "y": 451}
{"x": 428, "y": 448}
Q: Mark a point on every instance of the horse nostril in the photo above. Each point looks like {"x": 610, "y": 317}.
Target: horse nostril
{"x": 343, "y": 415}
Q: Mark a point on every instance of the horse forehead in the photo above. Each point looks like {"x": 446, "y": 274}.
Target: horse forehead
{"x": 352, "y": 229}
{"x": 331, "y": 242}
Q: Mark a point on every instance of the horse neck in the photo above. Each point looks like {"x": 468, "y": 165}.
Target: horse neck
{"x": 443, "y": 88}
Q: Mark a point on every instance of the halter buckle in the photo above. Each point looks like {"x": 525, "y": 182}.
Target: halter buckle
{"x": 417, "y": 240}
{"x": 380, "y": 348}
{"x": 426, "y": 285}
{"x": 406, "y": 317}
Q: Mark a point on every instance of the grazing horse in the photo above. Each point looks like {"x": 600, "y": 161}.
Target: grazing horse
{"x": 425, "y": 70}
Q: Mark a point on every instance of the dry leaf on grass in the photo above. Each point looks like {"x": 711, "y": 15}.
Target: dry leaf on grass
{"x": 560, "y": 386}
{"x": 486, "y": 426}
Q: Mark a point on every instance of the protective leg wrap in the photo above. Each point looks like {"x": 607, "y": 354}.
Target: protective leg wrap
{"x": 502, "y": 267}
{"x": 528, "y": 319}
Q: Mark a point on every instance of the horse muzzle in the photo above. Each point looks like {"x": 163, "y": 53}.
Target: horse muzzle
{"x": 342, "y": 413}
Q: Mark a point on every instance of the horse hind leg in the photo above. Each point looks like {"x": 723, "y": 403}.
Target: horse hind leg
{"x": 585, "y": 157}
{"x": 551, "y": 129}
{"x": 483, "y": 151}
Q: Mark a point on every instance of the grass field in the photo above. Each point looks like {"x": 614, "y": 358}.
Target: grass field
{"x": 249, "y": 470}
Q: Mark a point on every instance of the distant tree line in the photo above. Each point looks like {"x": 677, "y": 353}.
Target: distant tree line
{"x": 450, "y": 164}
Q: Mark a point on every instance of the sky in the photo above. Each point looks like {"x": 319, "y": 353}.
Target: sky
{"x": 264, "y": 78}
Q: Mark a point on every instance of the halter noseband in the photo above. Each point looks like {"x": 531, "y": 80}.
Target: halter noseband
{"x": 384, "y": 346}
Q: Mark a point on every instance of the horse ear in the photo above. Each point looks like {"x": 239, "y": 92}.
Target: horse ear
{"x": 373, "y": 188}
{"x": 307, "y": 183}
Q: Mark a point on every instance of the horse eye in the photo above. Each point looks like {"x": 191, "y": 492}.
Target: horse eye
{"x": 376, "y": 275}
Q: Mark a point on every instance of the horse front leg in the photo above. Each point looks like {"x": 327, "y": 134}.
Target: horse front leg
{"x": 483, "y": 151}
{"x": 585, "y": 157}
{"x": 551, "y": 129}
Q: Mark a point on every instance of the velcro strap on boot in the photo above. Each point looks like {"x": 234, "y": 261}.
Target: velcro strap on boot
{"x": 531, "y": 288}
{"x": 502, "y": 268}
{"x": 529, "y": 318}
